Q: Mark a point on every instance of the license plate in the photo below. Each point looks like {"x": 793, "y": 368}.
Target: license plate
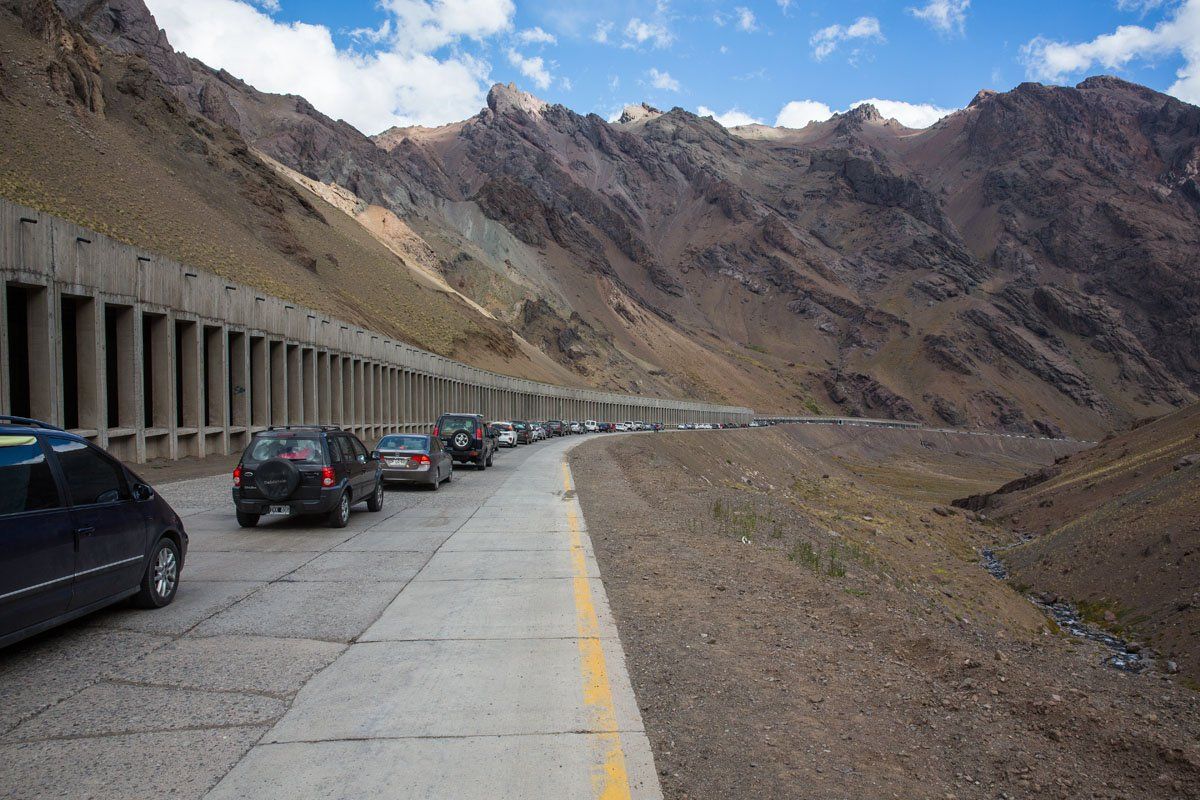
{"x": 397, "y": 462}
{"x": 280, "y": 510}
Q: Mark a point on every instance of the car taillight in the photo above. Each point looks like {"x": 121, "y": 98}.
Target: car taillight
{"x": 327, "y": 476}
{"x": 237, "y": 476}
{"x": 435, "y": 431}
{"x": 420, "y": 458}
{"x": 479, "y": 433}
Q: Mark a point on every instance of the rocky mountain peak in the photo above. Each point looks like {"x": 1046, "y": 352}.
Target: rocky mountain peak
{"x": 982, "y": 96}
{"x": 866, "y": 112}
{"x": 638, "y": 113}
{"x": 504, "y": 98}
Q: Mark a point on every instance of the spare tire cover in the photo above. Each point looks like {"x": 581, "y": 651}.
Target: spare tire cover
{"x": 277, "y": 479}
{"x": 461, "y": 440}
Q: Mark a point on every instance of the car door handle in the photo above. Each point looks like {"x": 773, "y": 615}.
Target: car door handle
{"x": 85, "y": 531}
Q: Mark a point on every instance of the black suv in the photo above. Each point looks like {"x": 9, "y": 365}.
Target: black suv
{"x": 78, "y": 531}
{"x": 300, "y": 469}
{"x": 468, "y": 439}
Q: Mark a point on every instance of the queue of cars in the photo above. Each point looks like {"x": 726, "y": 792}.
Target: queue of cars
{"x": 82, "y": 531}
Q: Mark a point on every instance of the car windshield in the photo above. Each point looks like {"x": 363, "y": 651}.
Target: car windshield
{"x": 520, "y": 426}
{"x": 450, "y": 424}
{"x": 299, "y": 449}
{"x": 419, "y": 443}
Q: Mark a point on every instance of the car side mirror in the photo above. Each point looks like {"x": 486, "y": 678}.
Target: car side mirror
{"x": 375, "y": 454}
{"x": 142, "y": 492}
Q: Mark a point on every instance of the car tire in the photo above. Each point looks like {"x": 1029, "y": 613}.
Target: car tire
{"x": 339, "y": 517}
{"x": 436, "y": 484}
{"x": 489, "y": 459}
{"x": 481, "y": 463}
{"x": 161, "y": 579}
{"x": 246, "y": 519}
{"x": 450, "y": 475}
{"x": 375, "y": 501}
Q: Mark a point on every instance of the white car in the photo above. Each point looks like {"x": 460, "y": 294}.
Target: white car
{"x": 506, "y": 435}
{"x": 591, "y": 426}
{"x": 621, "y": 426}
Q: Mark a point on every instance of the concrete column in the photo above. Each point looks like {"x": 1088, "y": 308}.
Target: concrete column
{"x": 89, "y": 361}
{"x": 279, "y": 383}
{"x": 295, "y": 386}
{"x": 217, "y": 390}
{"x": 325, "y": 388}
{"x": 42, "y": 340}
{"x": 308, "y": 366}
{"x": 239, "y": 376}
{"x": 260, "y": 382}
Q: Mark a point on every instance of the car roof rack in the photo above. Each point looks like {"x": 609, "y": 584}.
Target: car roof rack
{"x": 32, "y": 423}
{"x": 302, "y": 428}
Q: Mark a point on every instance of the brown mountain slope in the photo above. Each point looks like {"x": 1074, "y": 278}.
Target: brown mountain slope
{"x": 1026, "y": 264}
{"x": 97, "y": 137}
{"x": 1117, "y": 530}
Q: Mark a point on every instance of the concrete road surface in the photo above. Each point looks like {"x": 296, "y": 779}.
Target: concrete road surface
{"x": 456, "y": 645}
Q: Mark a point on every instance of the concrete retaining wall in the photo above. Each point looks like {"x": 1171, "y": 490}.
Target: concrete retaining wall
{"x": 154, "y": 359}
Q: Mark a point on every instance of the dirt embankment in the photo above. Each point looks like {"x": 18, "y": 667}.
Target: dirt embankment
{"x": 1116, "y": 530}
{"x": 801, "y": 622}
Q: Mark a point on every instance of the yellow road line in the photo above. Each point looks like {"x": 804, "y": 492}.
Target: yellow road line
{"x": 609, "y": 777}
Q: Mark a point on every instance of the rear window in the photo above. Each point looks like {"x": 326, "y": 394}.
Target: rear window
{"x": 503, "y": 426}
{"x": 520, "y": 426}
{"x": 450, "y": 424}
{"x": 403, "y": 443}
{"x": 25, "y": 476}
{"x": 297, "y": 449}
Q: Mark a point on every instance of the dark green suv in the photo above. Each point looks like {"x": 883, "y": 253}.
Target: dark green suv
{"x": 306, "y": 470}
{"x": 468, "y": 438}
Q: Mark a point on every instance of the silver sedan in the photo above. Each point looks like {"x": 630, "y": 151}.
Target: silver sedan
{"x": 414, "y": 458}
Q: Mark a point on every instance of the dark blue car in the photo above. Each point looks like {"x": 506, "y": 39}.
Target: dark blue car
{"x": 78, "y": 531}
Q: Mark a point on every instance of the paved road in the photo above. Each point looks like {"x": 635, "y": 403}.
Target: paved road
{"x": 456, "y": 645}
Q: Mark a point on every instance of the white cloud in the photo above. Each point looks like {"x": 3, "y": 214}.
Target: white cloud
{"x": 533, "y": 68}
{"x": 1179, "y": 33}
{"x": 1141, "y": 6}
{"x": 270, "y": 6}
{"x": 944, "y": 16}
{"x": 639, "y": 32}
{"x": 784, "y": 5}
{"x": 603, "y": 29}
{"x": 826, "y": 40}
{"x": 400, "y": 83}
{"x": 536, "y": 36}
{"x": 745, "y": 19}
{"x": 799, "y": 113}
{"x": 663, "y": 80}
{"x": 732, "y": 118}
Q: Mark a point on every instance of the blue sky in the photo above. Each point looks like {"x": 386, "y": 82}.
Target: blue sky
{"x": 382, "y": 62}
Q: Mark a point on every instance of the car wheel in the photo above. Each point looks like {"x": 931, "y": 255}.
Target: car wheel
{"x": 435, "y": 484}
{"x": 375, "y": 501}
{"x": 246, "y": 519}
{"x": 339, "y": 517}
{"x": 481, "y": 463}
{"x": 450, "y": 475}
{"x": 489, "y": 458}
{"x": 161, "y": 580}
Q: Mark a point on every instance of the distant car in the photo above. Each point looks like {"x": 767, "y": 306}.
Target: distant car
{"x": 605, "y": 427}
{"x": 506, "y": 435}
{"x": 591, "y": 426}
{"x": 468, "y": 439}
{"x": 305, "y": 469}
{"x": 621, "y": 426}
{"x": 574, "y": 427}
{"x": 523, "y": 431}
{"x": 79, "y": 531}
{"x": 556, "y": 427}
{"x": 415, "y": 458}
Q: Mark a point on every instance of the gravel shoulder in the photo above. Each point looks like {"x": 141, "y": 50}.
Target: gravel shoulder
{"x": 807, "y": 624}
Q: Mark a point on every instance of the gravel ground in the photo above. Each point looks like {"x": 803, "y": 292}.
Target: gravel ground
{"x": 806, "y": 625}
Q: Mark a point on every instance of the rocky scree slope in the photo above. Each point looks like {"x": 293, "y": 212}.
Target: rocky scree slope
{"x": 1026, "y": 264}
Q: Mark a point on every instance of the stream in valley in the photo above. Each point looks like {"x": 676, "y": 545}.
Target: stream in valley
{"x": 1068, "y": 618}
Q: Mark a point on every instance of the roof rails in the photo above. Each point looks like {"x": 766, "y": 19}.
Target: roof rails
{"x": 32, "y": 423}
{"x": 303, "y": 428}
